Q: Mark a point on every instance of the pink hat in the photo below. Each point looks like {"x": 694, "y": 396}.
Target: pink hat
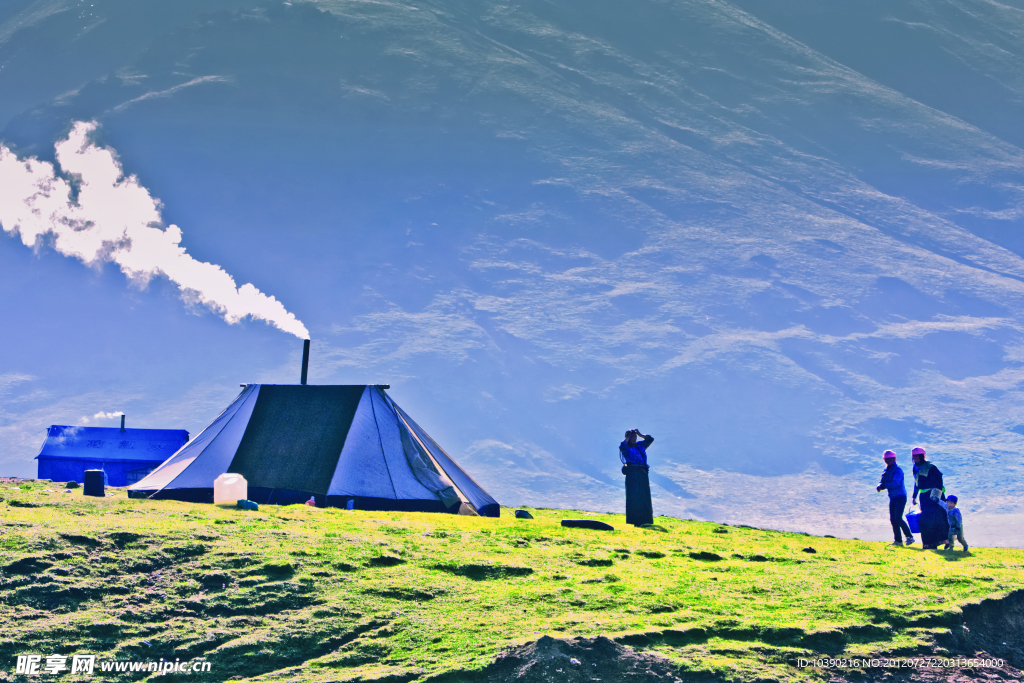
{"x": 888, "y": 455}
{"x": 918, "y": 451}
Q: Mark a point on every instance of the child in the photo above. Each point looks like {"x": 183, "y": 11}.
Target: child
{"x": 956, "y": 523}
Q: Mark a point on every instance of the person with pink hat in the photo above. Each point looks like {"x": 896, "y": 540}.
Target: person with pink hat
{"x": 892, "y": 481}
{"x": 928, "y": 484}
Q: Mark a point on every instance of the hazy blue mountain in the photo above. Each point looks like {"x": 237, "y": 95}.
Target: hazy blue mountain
{"x": 780, "y": 235}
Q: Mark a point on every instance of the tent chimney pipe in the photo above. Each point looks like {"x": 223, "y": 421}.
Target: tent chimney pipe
{"x": 122, "y": 423}
{"x": 305, "y": 360}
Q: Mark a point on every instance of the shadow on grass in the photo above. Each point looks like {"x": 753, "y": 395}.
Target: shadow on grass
{"x": 951, "y": 555}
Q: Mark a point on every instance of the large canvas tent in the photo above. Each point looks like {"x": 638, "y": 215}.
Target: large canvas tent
{"x": 346, "y": 446}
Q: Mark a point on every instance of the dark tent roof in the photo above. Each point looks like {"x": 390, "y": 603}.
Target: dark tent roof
{"x": 347, "y": 446}
{"x": 110, "y": 444}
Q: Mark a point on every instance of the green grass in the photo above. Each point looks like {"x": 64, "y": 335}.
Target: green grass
{"x": 297, "y": 593}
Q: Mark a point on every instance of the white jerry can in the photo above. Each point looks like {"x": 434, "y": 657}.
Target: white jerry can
{"x": 229, "y": 488}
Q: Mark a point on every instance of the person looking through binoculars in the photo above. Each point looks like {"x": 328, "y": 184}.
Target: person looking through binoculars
{"x": 638, "y": 487}
{"x": 633, "y": 453}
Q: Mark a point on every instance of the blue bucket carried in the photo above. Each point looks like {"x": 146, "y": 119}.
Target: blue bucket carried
{"x": 912, "y": 522}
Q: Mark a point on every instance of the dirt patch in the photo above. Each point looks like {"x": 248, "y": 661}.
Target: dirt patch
{"x": 706, "y": 556}
{"x": 651, "y": 554}
{"x": 404, "y": 594}
{"x": 78, "y": 539}
{"x": 594, "y": 562}
{"x": 576, "y": 661}
{"x": 56, "y": 596}
{"x": 990, "y": 673}
{"x": 67, "y": 556}
{"x": 275, "y": 569}
{"x": 936, "y": 674}
{"x": 214, "y": 580}
{"x": 602, "y": 659}
{"x": 995, "y": 626}
{"x": 123, "y": 538}
{"x": 239, "y": 562}
{"x": 764, "y": 558}
{"x": 267, "y": 598}
{"x": 147, "y": 564}
{"x": 991, "y": 630}
{"x": 483, "y": 572}
{"x": 27, "y": 565}
{"x": 185, "y": 551}
{"x": 386, "y": 561}
{"x": 345, "y": 567}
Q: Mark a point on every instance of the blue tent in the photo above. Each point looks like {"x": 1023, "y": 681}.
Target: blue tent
{"x": 346, "y": 446}
{"x": 126, "y": 455}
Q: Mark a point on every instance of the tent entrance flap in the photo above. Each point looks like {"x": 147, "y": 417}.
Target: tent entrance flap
{"x": 479, "y": 499}
{"x": 295, "y": 436}
{"x": 416, "y": 458}
{"x": 426, "y": 469}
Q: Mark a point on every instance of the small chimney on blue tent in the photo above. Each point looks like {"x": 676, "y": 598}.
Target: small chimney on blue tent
{"x": 305, "y": 360}
{"x": 122, "y": 423}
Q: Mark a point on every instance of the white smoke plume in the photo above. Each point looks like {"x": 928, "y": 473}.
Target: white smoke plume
{"x": 102, "y": 416}
{"x": 115, "y": 219}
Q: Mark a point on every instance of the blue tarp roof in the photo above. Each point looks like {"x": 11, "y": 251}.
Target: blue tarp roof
{"x": 110, "y": 444}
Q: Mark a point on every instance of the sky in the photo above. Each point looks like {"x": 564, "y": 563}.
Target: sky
{"x": 780, "y": 236}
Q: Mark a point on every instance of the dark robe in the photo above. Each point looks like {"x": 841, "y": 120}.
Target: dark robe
{"x": 934, "y": 527}
{"x": 639, "y": 510}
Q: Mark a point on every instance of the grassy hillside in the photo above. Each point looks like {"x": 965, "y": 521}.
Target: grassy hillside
{"x": 298, "y": 593}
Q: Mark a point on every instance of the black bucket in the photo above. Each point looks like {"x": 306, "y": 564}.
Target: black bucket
{"x": 94, "y": 483}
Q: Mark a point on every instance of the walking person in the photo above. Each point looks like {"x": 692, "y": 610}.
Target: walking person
{"x": 633, "y": 455}
{"x": 956, "y": 523}
{"x": 928, "y": 485}
{"x": 892, "y": 481}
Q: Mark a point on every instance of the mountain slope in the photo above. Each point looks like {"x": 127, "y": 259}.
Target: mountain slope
{"x": 781, "y": 239}
{"x": 298, "y": 593}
